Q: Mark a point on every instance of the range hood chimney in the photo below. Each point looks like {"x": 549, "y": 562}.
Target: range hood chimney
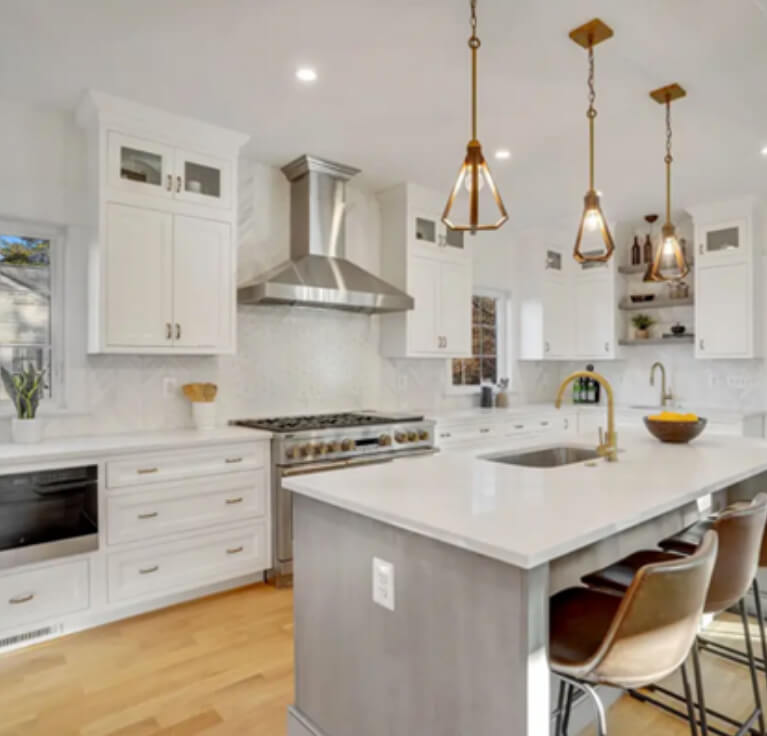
{"x": 318, "y": 273}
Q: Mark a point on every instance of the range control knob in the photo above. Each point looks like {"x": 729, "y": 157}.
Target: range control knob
{"x": 290, "y": 453}
{"x": 334, "y": 446}
{"x": 423, "y": 435}
{"x": 400, "y": 437}
{"x": 305, "y": 450}
{"x": 412, "y": 436}
{"x": 347, "y": 445}
{"x": 319, "y": 449}
{"x": 384, "y": 440}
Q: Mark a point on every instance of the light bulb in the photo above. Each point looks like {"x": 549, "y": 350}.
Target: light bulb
{"x": 669, "y": 246}
{"x": 469, "y": 179}
{"x": 593, "y": 220}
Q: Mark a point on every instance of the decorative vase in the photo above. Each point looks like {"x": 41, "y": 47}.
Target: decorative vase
{"x": 642, "y": 334}
{"x": 26, "y": 431}
{"x": 204, "y": 414}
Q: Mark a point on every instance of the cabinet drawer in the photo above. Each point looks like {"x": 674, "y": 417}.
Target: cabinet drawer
{"x": 188, "y": 563}
{"x": 44, "y": 593}
{"x": 143, "y": 513}
{"x": 158, "y": 467}
{"x": 464, "y": 433}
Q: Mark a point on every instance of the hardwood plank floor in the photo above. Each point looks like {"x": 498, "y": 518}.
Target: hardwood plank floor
{"x": 223, "y": 666}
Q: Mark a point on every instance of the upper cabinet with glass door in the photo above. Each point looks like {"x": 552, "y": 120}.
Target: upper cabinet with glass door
{"x": 724, "y": 231}
{"x": 146, "y": 167}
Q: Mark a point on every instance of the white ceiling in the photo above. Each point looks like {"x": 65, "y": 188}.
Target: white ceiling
{"x": 392, "y": 94}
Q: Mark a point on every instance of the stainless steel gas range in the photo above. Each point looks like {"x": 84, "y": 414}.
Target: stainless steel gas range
{"x": 312, "y": 444}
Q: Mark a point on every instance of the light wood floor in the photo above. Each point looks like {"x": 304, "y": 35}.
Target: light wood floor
{"x": 221, "y": 666}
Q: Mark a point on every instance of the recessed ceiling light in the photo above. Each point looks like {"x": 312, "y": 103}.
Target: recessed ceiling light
{"x": 502, "y": 154}
{"x": 306, "y": 74}
{"x": 764, "y": 151}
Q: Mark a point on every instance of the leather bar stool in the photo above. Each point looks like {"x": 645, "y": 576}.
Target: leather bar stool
{"x": 633, "y": 640}
{"x": 686, "y": 542}
{"x": 740, "y": 529}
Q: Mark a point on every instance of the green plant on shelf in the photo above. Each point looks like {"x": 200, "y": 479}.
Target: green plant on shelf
{"x": 642, "y": 321}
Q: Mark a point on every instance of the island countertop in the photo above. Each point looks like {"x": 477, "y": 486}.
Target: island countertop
{"x": 529, "y": 516}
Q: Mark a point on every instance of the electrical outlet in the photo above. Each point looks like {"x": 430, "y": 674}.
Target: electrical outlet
{"x": 169, "y": 387}
{"x": 383, "y": 583}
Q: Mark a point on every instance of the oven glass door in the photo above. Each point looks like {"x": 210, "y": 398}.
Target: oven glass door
{"x": 48, "y": 506}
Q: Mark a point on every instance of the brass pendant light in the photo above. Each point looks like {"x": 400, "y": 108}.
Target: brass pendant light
{"x": 668, "y": 246}
{"x": 462, "y": 211}
{"x": 593, "y": 219}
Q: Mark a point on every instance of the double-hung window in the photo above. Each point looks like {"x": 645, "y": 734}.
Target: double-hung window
{"x": 30, "y": 302}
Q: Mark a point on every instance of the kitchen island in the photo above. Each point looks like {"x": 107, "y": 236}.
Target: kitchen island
{"x": 477, "y": 547}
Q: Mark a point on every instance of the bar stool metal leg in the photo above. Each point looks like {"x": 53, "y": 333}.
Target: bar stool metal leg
{"x": 752, "y": 665}
{"x": 760, "y": 620}
{"x": 568, "y": 710}
{"x": 599, "y": 709}
{"x": 560, "y": 708}
{"x": 688, "y": 698}
{"x": 699, "y": 689}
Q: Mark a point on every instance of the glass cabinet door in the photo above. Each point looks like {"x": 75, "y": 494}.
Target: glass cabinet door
{"x": 140, "y": 166}
{"x": 722, "y": 241}
{"x": 430, "y": 231}
{"x": 202, "y": 179}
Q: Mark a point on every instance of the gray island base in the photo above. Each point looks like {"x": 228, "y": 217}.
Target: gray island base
{"x": 463, "y": 653}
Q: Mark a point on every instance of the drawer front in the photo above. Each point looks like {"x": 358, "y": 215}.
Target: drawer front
{"x": 189, "y": 563}
{"x": 144, "y": 513}
{"x": 457, "y": 434}
{"x": 159, "y": 467}
{"x": 44, "y": 593}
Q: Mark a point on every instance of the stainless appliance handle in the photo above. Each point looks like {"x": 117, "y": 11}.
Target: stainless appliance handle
{"x": 352, "y": 462}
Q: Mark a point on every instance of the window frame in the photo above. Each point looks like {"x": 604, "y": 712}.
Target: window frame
{"x": 57, "y": 239}
{"x": 502, "y": 342}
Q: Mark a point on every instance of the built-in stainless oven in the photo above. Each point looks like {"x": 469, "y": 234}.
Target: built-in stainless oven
{"x": 47, "y": 514}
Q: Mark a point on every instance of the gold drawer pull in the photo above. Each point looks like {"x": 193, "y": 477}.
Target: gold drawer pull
{"x": 147, "y": 471}
{"x": 149, "y": 570}
{"x": 231, "y": 501}
{"x": 234, "y": 460}
{"x": 21, "y": 599}
{"x": 150, "y": 515}
{"x": 234, "y": 550}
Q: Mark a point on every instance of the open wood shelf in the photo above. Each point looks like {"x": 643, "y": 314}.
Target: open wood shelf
{"x": 683, "y": 340}
{"x": 665, "y": 303}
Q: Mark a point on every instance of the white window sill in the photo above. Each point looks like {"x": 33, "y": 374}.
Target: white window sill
{"x": 44, "y": 412}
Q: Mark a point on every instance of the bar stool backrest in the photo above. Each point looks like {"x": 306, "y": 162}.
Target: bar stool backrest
{"x": 657, "y": 621}
{"x": 740, "y": 529}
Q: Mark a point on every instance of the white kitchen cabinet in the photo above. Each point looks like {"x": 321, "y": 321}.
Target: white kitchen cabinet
{"x": 434, "y": 267}
{"x": 169, "y": 280}
{"x": 138, "y": 277}
{"x": 594, "y": 316}
{"x": 728, "y": 276}
{"x": 162, "y": 265}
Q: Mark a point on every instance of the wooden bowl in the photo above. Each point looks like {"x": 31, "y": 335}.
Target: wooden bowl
{"x": 679, "y": 432}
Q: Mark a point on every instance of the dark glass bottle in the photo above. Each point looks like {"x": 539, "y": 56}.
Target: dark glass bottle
{"x": 594, "y": 386}
{"x": 648, "y": 249}
{"x": 636, "y": 252}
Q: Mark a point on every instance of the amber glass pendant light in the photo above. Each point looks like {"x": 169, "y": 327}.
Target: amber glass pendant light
{"x": 669, "y": 263}
{"x": 474, "y": 195}
{"x": 593, "y": 221}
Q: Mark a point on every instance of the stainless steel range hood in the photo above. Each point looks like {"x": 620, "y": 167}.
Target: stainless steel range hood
{"x": 318, "y": 273}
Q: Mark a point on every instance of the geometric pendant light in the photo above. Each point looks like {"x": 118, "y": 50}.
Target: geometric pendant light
{"x": 474, "y": 202}
{"x": 593, "y": 219}
{"x": 669, "y": 263}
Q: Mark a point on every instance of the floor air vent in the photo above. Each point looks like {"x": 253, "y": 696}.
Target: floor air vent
{"x": 27, "y": 636}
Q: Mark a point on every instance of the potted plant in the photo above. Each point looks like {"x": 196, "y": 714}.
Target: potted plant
{"x": 642, "y": 323}
{"x": 25, "y": 389}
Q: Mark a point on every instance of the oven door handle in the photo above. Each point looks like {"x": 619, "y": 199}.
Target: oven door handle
{"x": 56, "y": 489}
{"x": 331, "y": 465}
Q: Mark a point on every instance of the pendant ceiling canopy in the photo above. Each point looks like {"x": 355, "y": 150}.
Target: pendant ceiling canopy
{"x": 594, "y": 241}
{"x": 474, "y": 202}
{"x": 669, "y": 263}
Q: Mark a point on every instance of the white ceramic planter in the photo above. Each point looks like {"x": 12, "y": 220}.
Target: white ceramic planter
{"x": 26, "y": 431}
{"x": 204, "y": 414}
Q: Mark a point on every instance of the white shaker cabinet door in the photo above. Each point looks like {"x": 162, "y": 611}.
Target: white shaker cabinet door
{"x": 723, "y": 312}
{"x": 203, "y": 283}
{"x": 594, "y": 318}
{"x": 557, "y": 319}
{"x": 423, "y": 286}
{"x": 455, "y": 309}
{"x": 138, "y": 288}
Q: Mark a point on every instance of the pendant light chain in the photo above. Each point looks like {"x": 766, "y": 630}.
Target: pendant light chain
{"x": 591, "y": 113}
{"x": 474, "y": 44}
{"x": 668, "y": 159}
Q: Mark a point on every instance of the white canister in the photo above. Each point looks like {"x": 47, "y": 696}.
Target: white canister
{"x": 26, "y": 431}
{"x": 204, "y": 413}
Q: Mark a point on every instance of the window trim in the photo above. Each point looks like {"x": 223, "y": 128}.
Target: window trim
{"x": 503, "y": 343}
{"x": 57, "y": 238}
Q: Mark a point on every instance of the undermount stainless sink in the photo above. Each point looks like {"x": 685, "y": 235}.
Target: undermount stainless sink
{"x": 549, "y": 457}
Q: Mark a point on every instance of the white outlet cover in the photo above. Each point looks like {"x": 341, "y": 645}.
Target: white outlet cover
{"x": 383, "y": 583}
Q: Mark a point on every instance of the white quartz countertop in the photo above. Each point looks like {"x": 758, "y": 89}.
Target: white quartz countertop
{"x": 115, "y": 444}
{"x": 528, "y": 516}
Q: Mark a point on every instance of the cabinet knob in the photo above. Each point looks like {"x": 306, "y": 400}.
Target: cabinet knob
{"x": 702, "y": 344}
{"x": 168, "y": 331}
{"x": 546, "y": 346}
{"x": 700, "y": 248}
{"x": 178, "y": 331}
{"x": 607, "y": 347}
{"x": 178, "y": 184}
{"x": 169, "y": 185}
